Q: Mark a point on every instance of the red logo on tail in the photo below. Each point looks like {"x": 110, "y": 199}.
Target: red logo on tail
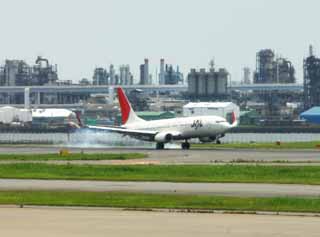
{"x": 233, "y": 117}
{"x": 124, "y": 105}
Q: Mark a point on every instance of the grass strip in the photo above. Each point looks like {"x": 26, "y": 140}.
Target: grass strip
{"x": 71, "y": 156}
{"x": 166, "y": 173}
{"x": 283, "y": 145}
{"x": 134, "y": 200}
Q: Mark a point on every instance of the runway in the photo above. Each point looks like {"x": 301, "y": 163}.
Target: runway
{"x": 217, "y": 189}
{"x": 52, "y": 222}
{"x": 193, "y": 156}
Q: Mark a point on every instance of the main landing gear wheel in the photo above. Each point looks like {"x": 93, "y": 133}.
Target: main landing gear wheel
{"x": 218, "y": 142}
{"x": 160, "y": 146}
{"x": 185, "y": 146}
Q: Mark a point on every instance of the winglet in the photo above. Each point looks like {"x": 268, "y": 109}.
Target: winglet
{"x": 127, "y": 113}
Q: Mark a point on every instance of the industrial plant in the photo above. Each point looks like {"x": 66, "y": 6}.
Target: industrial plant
{"x": 271, "y": 69}
{"x": 168, "y": 75}
{"x": 275, "y": 105}
{"x": 267, "y": 95}
{"x": 19, "y": 73}
{"x": 311, "y": 69}
{"x": 103, "y": 77}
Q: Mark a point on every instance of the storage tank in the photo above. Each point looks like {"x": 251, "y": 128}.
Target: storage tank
{"x": 222, "y": 82}
{"x": 202, "y": 89}
{"x": 192, "y": 82}
{"x": 211, "y": 84}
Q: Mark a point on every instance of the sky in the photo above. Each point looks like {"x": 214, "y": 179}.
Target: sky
{"x": 79, "y": 35}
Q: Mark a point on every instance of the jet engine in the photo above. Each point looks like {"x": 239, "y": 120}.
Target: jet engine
{"x": 163, "y": 137}
{"x": 207, "y": 139}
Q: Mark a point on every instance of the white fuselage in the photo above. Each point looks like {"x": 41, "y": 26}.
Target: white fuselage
{"x": 185, "y": 127}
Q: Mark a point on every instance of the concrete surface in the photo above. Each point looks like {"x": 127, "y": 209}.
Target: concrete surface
{"x": 176, "y": 156}
{"x": 218, "y": 189}
{"x": 52, "y": 222}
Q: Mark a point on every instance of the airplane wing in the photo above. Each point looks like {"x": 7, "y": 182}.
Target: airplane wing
{"x": 145, "y": 135}
{"x": 142, "y": 134}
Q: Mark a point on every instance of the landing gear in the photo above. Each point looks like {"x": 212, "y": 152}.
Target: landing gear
{"x": 218, "y": 141}
{"x": 160, "y": 146}
{"x": 185, "y": 145}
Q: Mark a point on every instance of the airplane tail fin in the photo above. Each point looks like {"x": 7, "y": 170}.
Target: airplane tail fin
{"x": 127, "y": 114}
{"x": 78, "y": 115}
{"x": 77, "y": 124}
{"x": 234, "y": 120}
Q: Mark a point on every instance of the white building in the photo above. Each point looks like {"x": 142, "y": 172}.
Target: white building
{"x": 52, "y": 116}
{"x": 10, "y": 115}
{"x": 222, "y": 109}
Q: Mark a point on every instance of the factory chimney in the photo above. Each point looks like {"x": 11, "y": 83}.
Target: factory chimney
{"x": 246, "y": 76}
{"x": 146, "y": 71}
{"x": 161, "y": 76}
{"x": 310, "y": 50}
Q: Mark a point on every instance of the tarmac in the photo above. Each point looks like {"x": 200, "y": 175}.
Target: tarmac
{"x": 177, "y": 156}
{"x": 217, "y": 189}
{"x": 67, "y": 222}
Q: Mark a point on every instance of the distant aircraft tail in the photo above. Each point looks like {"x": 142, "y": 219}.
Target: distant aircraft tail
{"x": 77, "y": 124}
{"x": 78, "y": 115}
{"x": 127, "y": 114}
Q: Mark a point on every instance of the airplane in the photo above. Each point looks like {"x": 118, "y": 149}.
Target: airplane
{"x": 205, "y": 128}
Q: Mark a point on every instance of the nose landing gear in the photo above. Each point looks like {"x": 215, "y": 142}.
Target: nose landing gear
{"x": 185, "y": 145}
{"x": 218, "y": 141}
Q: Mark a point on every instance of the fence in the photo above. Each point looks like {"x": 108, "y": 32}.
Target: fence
{"x": 92, "y": 139}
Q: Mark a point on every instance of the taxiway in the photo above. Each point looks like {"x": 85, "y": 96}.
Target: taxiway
{"x": 68, "y": 222}
{"x": 177, "y": 156}
{"x": 217, "y": 189}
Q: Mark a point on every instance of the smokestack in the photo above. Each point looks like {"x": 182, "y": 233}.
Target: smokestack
{"x": 146, "y": 71}
{"x": 246, "y": 75}
{"x": 112, "y": 75}
{"x": 310, "y": 50}
{"x": 161, "y": 82}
